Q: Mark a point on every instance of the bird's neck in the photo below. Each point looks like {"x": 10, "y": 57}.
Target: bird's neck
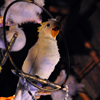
{"x": 47, "y": 43}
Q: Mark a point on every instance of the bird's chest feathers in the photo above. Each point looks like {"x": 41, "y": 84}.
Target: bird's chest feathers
{"x": 48, "y": 57}
{"x": 47, "y": 47}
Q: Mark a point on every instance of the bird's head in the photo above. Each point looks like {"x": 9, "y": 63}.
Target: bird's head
{"x": 50, "y": 28}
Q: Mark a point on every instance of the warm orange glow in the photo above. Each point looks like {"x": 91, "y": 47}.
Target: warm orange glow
{"x": 7, "y": 98}
{"x": 53, "y": 9}
{"x": 84, "y": 97}
{"x": 1, "y": 19}
{"x": 59, "y": 10}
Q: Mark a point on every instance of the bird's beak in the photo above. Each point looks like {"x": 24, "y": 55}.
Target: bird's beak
{"x": 55, "y": 30}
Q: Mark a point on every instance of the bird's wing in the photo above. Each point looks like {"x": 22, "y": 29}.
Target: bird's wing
{"x": 21, "y": 91}
{"x": 30, "y": 59}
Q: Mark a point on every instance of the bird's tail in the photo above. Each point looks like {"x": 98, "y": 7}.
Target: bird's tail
{"x": 22, "y": 91}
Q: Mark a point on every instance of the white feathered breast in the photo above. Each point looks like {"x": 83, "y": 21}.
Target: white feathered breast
{"x": 46, "y": 59}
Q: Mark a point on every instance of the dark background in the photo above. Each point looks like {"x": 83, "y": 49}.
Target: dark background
{"x": 81, "y": 23}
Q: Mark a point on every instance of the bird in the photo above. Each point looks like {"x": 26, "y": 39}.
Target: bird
{"x": 22, "y": 12}
{"x": 41, "y": 59}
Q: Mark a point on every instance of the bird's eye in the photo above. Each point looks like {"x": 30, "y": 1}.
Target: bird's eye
{"x": 48, "y": 25}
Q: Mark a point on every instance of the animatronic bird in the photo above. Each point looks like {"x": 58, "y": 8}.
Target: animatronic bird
{"x": 22, "y": 12}
{"x": 41, "y": 59}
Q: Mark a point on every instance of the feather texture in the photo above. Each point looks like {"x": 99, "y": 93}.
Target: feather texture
{"x": 73, "y": 87}
{"x": 41, "y": 59}
{"x": 22, "y": 12}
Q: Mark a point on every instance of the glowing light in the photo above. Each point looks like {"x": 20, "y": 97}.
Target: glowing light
{"x": 7, "y": 98}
